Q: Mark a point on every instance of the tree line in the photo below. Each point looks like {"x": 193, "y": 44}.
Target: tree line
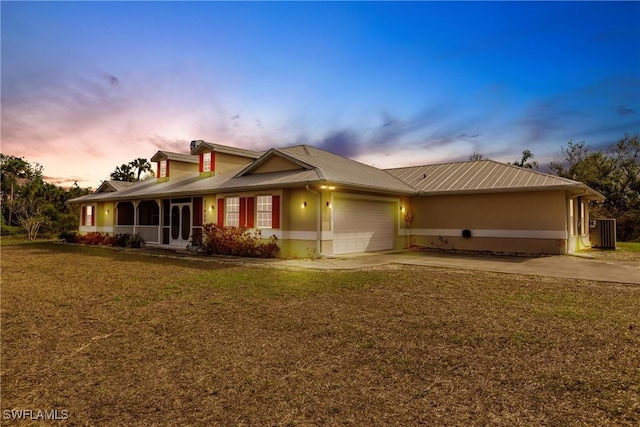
{"x": 35, "y": 206}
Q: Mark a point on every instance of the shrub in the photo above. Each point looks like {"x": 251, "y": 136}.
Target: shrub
{"x": 69, "y": 236}
{"x": 93, "y": 238}
{"x": 117, "y": 240}
{"x": 235, "y": 241}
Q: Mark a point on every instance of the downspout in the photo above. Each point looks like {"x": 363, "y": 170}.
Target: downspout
{"x": 318, "y": 219}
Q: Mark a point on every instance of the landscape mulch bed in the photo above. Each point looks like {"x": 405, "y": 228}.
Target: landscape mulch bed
{"x": 116, "y": 338}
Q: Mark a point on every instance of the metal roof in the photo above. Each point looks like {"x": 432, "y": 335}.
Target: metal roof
{"x": 203, "y": 146}
{"x": 162, "y": 155}
{"x": 319, "y": 166}
{"x": 335, "y": 169}
{"x": 482, "y": 176}
{"x": 112, "y": 185}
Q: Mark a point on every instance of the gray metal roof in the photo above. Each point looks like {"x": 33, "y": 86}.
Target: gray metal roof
{"x": 335, "y": 169}
{"x": 112, "y": 185}
{"x": 319, "y": 166}
{"x": 210, "y": 146}
{"x": 187, "y": 158}
{"x": 482, "y": 176}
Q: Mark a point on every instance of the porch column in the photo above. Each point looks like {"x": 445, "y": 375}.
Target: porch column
{"x": 160, "y": 213}
{"x": 135, "y": 215}
{"x": 115, "y": 214}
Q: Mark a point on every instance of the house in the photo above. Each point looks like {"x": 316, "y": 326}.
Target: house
{"x": 316, "y": 201}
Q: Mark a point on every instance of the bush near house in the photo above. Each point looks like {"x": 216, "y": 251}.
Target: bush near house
{"x": 97, "y": 238}
{"x": 234, "y": 241}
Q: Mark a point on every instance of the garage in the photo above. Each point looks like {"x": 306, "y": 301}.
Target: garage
{"x": 361, "y": 225}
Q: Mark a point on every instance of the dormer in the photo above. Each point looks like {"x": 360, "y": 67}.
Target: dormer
{"x": 174, "y": 165}
{"x": 275, "y": 160}
{"x": 216, "y": 158}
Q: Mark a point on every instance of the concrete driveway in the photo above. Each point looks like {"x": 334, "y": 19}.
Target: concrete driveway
{"x": 553, "y": 266}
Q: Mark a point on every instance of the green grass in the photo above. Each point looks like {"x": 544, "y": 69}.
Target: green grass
{"x": 629, "y": 246}
{"x": 120, "y": 338}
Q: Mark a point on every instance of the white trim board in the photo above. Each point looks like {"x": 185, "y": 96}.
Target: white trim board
{"x": 508, "y": 234}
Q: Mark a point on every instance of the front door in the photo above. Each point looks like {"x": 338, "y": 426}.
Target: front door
{"x": 180, "y": 230}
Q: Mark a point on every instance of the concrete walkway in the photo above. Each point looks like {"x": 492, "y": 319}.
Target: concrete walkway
{"x": 552, "y": 266}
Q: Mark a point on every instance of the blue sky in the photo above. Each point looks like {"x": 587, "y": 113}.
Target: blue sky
{"x": 87, "y": 86}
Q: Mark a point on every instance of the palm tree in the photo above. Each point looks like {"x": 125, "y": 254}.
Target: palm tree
{"x": 142, "y": 166}
{"x": 123, "y": 173}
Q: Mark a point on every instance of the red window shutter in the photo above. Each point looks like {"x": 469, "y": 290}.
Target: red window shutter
{"x": 84, "y": 215}
{"x": 251, "y": 203}
{"x": 197, "y": 211}
{"x": 158, "y": 169}
{"x": 167, "y": 168}
{"x": 93, "y": 217}
{"x": 201, "y": 162}
{"x": 243, "y": 211}
{"x": 221, "y": 212}
{"x": 275, "y": 211}
{"x": 213, "y": 161}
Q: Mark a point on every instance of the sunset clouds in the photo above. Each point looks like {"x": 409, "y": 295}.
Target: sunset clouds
{"x": 88, "y": 86}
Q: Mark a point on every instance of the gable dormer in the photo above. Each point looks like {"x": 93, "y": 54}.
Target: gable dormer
{"x": 174, "y": 165}
{"x": 216, "y": 158}
{"x": 275, "y": 160}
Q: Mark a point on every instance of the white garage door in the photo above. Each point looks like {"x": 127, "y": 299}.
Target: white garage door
{"x": 362, "y": 226}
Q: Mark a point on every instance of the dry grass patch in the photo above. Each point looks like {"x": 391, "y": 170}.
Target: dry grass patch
{"x": 118, "y": 338}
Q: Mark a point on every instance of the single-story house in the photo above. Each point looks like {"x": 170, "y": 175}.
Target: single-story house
{"x": 315, "y": 201}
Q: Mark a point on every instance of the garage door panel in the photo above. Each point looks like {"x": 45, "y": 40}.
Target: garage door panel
{"x": 362, "y": 225}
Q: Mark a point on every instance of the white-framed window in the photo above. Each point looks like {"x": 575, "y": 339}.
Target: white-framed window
{"x": 265, "y": 205}
{"x": 162, "y": 173}
{"x": 89, "y": 216}
{"x": 206, "y": 162}
{"x": 232, "y": 211}
{"x": 572, "y": 226}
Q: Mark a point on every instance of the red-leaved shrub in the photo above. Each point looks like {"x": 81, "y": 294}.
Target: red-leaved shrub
{"x": 235, "y": 241}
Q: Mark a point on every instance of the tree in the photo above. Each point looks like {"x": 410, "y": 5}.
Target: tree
{"x": 525, "y": 161}
{"x": 30, "y": 216}
{"x": 614, "y": 172}
{"x": 141, "y": 166}
{"x": 132, "y": 171}
{"x": 123, "y": 173}
{"x": 12, "y": 169}
{"x": 475, "y": 157}
{"x": 33, "y": 204}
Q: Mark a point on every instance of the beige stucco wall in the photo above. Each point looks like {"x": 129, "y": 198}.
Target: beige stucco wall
{"x": 224, "y": 162}
{"x": 179, "y": 169}
{"x": 532, "y": 222}
{"x": 275, "y": 164}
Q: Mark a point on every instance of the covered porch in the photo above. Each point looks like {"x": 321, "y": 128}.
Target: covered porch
{"x": 172, "y": 222}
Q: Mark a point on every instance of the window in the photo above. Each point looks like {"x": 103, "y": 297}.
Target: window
{"x": 232, "y": 211}
{"x": 265, "y": 204}
{"x": 162, "y": 169}
{"x": 206, "y": 162}
{"x": 88, "y": 217}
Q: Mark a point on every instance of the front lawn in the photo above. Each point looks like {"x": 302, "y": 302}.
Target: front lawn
{"x": 121, "y": 338}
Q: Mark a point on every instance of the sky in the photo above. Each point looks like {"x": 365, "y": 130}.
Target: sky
{"x": 88, "y": 86}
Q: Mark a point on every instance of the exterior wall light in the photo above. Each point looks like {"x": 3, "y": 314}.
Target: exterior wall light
{"x": 304, "y": 205}
{"x": 401, "y": 208}
{"x": 329, "y": 205}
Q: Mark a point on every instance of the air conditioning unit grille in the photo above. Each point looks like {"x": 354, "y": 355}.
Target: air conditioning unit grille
{"x": 604, "y": 234}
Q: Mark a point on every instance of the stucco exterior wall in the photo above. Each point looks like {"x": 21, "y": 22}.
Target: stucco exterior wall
{"x": 224, "y": 162}
{"x": 275, "y": 164}
{"x": 529, "y": 222}
{"x": 179, "y": 169}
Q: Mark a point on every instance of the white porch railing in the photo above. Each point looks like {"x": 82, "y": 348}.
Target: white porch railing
{"x": 123, "y": 229}
{"x": 148, "y": 232}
